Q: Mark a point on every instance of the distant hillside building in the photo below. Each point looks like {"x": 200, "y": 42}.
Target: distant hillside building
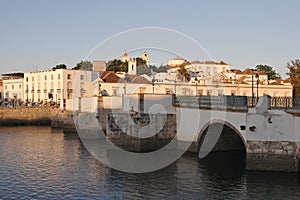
{"x": 175, "y": 62}
{"x": 132, "y": 62}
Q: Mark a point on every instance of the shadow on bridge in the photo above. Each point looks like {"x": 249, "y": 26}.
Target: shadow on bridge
{"x": 220, "y": 146}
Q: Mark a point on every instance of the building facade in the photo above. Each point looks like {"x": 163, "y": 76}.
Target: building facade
{"x": 56, "y": 85}
{"x": 13, "y": 89}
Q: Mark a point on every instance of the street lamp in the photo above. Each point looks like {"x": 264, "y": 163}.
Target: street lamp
{"x": 153, "y": 80}
{"x": 196, "y": 80}
{"x": 99, "y": 89}
{"x": 252, "y": 100}
{"x": 257, "y": 82}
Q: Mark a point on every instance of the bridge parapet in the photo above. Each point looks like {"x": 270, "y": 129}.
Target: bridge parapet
{"x": 273, "y": 139}
{"x": 221, "y": 101}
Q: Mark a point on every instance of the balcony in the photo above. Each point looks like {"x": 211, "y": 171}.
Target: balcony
{"x": 38, "y": 91}
{"x": 45, "y": 90}
{"x": 26, "y": 91}
{"x": 52, "y": 91}
{"x": 32, "y": 91}
{"x": 58, "y": 90}
{"x": 69, "y": 90}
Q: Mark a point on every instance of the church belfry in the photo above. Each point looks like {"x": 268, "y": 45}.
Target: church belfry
{"x": 145, "y": 57}
{"x": 132, "y": 62}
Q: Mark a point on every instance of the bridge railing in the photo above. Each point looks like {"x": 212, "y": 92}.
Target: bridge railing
{"x": 285, "y": 103}
{"x": 225, "y": 101}
{"x": 222, "y": 101}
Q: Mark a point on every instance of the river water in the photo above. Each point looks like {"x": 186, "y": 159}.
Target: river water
{"x": 40, "y": 163}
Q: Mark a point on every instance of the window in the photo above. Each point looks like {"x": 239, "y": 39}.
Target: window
{"x": 32, "y": 78}
{"x": 13, "y": 87}
{"x": 69, "y": 76}
{"x": 58, "y": 76}
{"x": 220, "y": 92}
{"x": 81, "y": 77}
{"x": 51, "y": 76}
{"x": 215, "y": 70}
{"x": 45, "y": 77}
{"x": 20, "y": 86}
{"x": 26, "y": 79}
{"x": 232, "y": 92}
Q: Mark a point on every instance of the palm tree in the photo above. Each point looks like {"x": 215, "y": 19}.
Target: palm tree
{"x": 294, "y": 74}
{"x": 184, "y": 73}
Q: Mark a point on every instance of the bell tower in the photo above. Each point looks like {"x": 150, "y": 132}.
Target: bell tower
{"x": 132, "y": 66}
{"x": 145, "y": 57}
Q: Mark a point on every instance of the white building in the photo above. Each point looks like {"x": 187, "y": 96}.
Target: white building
{"x": 56, "y": 85}
{"x": 175, "y": 62}
{"x": 207, "y": 68}
{"x": 13, "y": 88}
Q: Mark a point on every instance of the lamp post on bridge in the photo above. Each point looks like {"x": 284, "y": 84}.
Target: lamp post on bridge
{"x": 252, "y": 100}
{"x": 153, "y": 80}
{"x": 257, "y": 82}
{"x": 196, "y": 80}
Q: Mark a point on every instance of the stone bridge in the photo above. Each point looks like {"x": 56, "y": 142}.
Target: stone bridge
{"x": 269, "y": 139}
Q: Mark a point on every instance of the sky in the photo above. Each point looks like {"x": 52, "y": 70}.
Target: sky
{"x": 39, "y": 34}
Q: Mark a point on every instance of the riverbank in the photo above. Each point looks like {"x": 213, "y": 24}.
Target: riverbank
{"x": 26, "y": 116}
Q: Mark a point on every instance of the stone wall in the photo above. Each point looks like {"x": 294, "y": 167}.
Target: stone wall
{"x": 129, "y": 130}
{"x": 63, "y": 119}
{"x": 26, "y": 116}
{"x": 273, "y": 156}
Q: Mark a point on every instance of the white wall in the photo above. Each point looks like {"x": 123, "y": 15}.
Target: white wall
{"x": 275, "y": 125}
{"x": 89, "y": 104}
{"x": 112, "y": 102}
{"x": 153, "y": 103}
{"x": 191, "y": 122}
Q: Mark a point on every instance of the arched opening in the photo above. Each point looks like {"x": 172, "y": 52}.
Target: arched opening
{"x": 221, "y": 147}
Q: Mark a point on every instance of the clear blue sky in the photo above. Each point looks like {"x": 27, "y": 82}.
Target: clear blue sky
{"x": 243, "y": 33}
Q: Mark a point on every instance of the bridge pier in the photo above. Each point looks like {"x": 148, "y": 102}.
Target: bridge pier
{"x": 273, "y": 140}
{"x": 272, "y": 156}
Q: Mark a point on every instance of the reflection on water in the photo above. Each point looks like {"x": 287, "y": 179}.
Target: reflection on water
{"x": 39, "y": 163}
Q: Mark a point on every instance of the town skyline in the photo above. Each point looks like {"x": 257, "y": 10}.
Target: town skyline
{"x": 45, "y": 34}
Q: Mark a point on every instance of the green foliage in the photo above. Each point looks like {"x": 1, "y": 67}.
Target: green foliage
{"x": 140, "y": 62}
{"x": 294, "y": 74}
{"x": 117, "y": 65}
{"x": 84, "y": 65}
{"x": 143, "y": 69}
{"x": 60, "y": 66}
{"x": 272, "y": 74}
{"x": 160, "y": 69}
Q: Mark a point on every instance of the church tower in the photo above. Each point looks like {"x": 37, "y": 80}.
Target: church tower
{"x": 132, "y": 66}
{"x": 145, "y": 57}
{"x": 125, "y": 57}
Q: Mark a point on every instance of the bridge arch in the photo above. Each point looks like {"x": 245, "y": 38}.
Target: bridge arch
{"x": 219, "y": 136}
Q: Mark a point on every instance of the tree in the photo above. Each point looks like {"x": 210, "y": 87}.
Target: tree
{"x": 160, "y": 69}
{"x": 184, "y": 73}
{"x": 294, "y": 74}
{"x": 143, "y": 69}
{"x": 272, "y": 74}
{"x": 84, "y": 65}
{"x": 60, "y": 66}
{"x": 117, "y": 65}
